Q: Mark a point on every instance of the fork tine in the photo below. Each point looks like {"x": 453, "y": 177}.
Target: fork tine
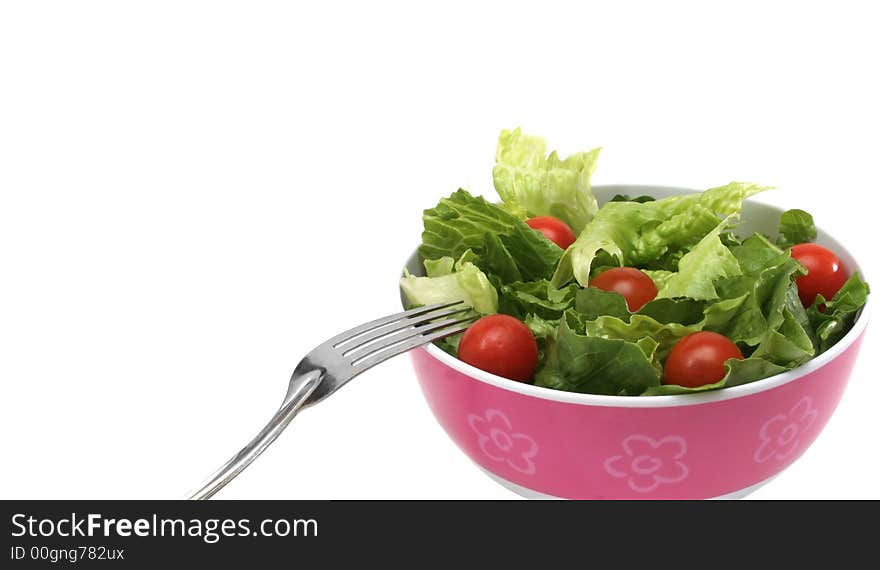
{"x": 416, "y": 329}
{"x": 406, "y": 324}
{"x": 379, "y": 327}
{"x": 369, "y": 360}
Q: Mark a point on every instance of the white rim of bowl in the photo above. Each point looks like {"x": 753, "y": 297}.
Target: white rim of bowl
{"x": 662, "y": 401}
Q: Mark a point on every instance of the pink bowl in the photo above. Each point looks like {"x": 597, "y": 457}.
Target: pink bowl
{"x": 544, "y": 443}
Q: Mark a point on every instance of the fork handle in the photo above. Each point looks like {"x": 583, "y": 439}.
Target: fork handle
{"x": 301, "y": 387}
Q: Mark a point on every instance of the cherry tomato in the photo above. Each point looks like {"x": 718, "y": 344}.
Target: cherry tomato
{"x": 502, "y": 345}
{"x": 698, "y": 359}
{"x": 825, "y": 273}
{"x": 636, "y": 287}
{"x": 555, "y": 230}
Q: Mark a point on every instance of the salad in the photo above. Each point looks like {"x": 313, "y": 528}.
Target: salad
{"x": 638, "y": 297}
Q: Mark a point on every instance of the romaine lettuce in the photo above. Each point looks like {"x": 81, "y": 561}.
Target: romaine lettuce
{"x": 543, "y": 329}
{"x": 795, "y": 226}
{"x": 533, "y": 184}
{"x": 640, "y": 327}
{"x": 700, "y": 268}
{"x": 636, "y": 233}
{"x": 502, "y": 243}
{"x": 682, "y": 311}
{"x": 539, "y": 298}
{"x": 839, "y": 313}
{"x": 465, "y": 282}
{"x": 591, "y": 303}
{"x": 752, "y": 303}
{"x": 594, "y": 365}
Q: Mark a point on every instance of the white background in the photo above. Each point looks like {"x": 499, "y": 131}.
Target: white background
{"x": 195, "y": 194}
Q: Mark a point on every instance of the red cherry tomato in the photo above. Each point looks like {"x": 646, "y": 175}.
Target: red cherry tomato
{"x": 502, "y": 345}
{"x": 825, "y": 273}
{"x": 636, "y": 287}
{"x": 555, "y": 230}
{"x": 698, "y": 359}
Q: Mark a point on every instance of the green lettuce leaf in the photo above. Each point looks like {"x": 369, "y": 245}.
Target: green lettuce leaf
{"x": 497, "y": 260}
{"x": 439, "y": 267}
{"x": 539, "y": 298}
{"x": 591, "y": 303}
{"x": 752, "y": 304}
{"x": 501, "y": 243}
{"x": 637, "y": 328}
{"x": 760, "y": 308}
{"x": 593, "y": 365}
{"x": 700, "y": 268}
{"x": 750, "y": 370}
{"x": 466, "y": 283}
{"x": 533, "y": 184}
{"x": 666, "y": 263}
{"x": 840, "y": 312}
{"x": 682, "y": 311}
{"x": 627, "y": 198}
{"x": 757, "y": 252}
{"x": 659, "y": 276}
{"x": 543, "y": 329}
{"x": 795, "y": 226}
{"x": 637, "y": 233}
{"x": 788, "y": 346}
{"x": 730, "y": 239}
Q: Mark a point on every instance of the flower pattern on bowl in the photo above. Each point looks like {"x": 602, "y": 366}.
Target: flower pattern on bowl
{"x": 499, "y": 442}
{"x": 781, "y": 435}
{"x": 646, "y": 463}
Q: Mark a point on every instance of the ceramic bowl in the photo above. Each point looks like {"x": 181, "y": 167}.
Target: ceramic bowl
{"x": 544, "y": 443}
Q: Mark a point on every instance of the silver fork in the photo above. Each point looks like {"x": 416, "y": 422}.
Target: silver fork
{"x": 332, "y": 364}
